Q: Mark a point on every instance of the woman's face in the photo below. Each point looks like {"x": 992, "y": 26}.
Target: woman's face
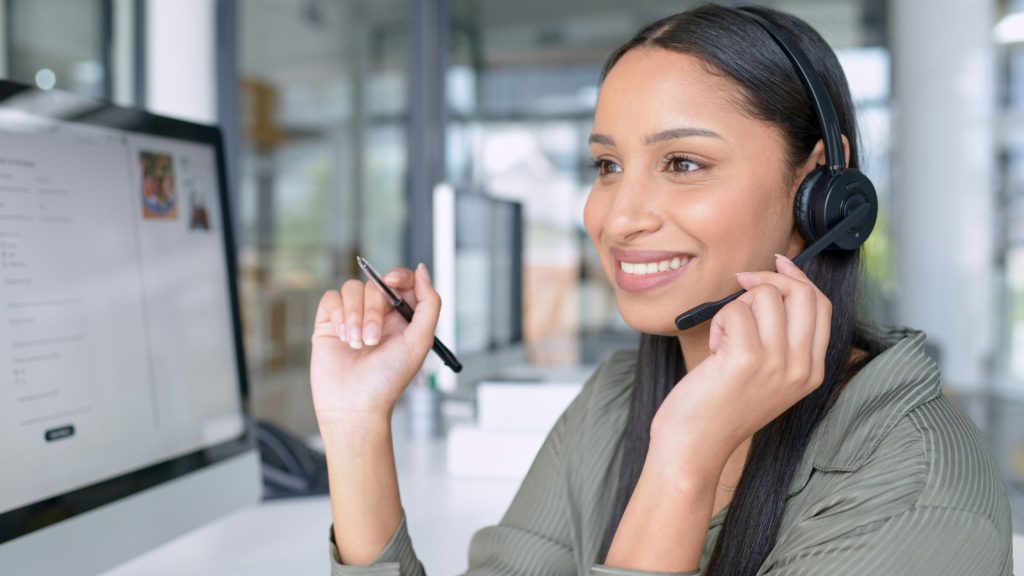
{"x": 687, "y": 184}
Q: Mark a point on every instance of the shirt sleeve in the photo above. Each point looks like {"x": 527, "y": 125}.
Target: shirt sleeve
{"x": 602, "y": 570}
{"x": 396, "y": 559}
{"x": 921, "y": 541}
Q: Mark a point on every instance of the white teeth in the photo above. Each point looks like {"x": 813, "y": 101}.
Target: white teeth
{"x": 641, "y": 268}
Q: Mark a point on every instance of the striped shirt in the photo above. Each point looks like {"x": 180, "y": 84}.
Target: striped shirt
{"x": 896, "y": 479}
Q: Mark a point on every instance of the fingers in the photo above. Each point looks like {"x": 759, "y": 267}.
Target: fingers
{"x": 380, "y": 313}
{"x": 365, "y": 307}
{"x": 358, "y": 311}
{"x": 352, "y": 296}
{"x": 786, "y": 266}
{"x": 329, "y": 316}
{"x": 770, "y": 317}
{"x": 823, "y": 321}
{"x": 402, "y": 280}
{"x": 375, "y": 306}
{"x": 427, "y": 309}
{"x": 734, "y": 330}
{"x": 807, "y": 316}
{"x": 813, "y": 332}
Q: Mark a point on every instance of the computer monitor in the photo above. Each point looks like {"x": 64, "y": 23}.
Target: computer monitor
{"x": 478, "y": 261}
{"x": 123, "y": 401}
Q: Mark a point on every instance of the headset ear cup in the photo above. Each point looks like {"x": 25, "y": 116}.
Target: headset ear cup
{"x": 825, "y": 198}
{"x": 803, "y": 204}
{"x": 846, "y": 192}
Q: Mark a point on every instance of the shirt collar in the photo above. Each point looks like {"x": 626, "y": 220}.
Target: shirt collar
{"x": 892, "y": 384}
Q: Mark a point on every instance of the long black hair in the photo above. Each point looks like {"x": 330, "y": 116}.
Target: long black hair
{"x": 733, "y": 46}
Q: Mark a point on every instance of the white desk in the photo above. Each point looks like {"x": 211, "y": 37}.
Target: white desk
{"x": 272, "y": 538}
{"x": 290, "y": 536}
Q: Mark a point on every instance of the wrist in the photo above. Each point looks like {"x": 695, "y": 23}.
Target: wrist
{"x": 352, "y": 426}
{"x": 352, "y": 414}
{"x": 665, "y": 523}
{"x": 682, "y": 466}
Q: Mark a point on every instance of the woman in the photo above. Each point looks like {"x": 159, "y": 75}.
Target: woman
{"x": 781, "y": 437}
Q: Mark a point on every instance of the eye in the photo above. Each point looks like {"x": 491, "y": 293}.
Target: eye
{"x": 682, "y": 164}
{"x": 604, "y": 167}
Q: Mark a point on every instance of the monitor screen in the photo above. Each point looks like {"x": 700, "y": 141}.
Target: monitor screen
{"x": 119, "y": 343}
{"x": 488, "y": 270}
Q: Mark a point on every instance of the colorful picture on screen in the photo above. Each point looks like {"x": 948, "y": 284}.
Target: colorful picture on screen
{"x": 200, "y": 218}
{"x": 159, "y": 192}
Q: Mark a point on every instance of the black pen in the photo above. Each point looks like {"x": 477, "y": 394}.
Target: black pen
{"x": 406, "y": 312}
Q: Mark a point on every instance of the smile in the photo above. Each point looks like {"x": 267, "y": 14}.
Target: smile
{"x": 644, "y": 268}
{"x": 641, "y": 276}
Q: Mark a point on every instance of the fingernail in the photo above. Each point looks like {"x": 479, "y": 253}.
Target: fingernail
{"x": 341, "y": 333}
{"x": 783, "y": 257}
{"x": 426, "y": 273}
{"x": 354, "y": 339}
{"x": 391, "y": 278}
{"x": 371, "y": 336}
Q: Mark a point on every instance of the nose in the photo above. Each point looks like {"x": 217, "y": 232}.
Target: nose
{"x": 633, "y": 211}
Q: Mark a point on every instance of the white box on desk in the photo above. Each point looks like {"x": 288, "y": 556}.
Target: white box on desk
{"x": 513, "y": 419}
{"x": 523, "y": 405}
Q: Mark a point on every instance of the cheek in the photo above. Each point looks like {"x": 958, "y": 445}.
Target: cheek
{"x": 595, "y": 212}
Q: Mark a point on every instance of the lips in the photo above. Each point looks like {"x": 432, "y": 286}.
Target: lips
{"x": 640, "y": 270}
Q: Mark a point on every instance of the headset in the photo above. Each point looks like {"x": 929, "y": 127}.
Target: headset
{"x": 835, "y": 207}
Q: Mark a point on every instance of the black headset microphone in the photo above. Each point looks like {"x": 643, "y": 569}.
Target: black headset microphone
{"x": 835, "y": 207}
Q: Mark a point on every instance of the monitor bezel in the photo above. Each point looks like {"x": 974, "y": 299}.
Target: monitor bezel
{"x": 37, "y": 515}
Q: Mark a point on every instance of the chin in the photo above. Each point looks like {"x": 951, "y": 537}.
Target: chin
{"x": 659, "y": 323}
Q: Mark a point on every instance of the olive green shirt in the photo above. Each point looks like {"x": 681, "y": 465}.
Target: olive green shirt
{"x": 896, "y": 480}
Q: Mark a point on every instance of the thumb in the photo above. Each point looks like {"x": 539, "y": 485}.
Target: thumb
{"x": 724, "y": 316}
{"x": 716, "y": 334}
{"x": 428, "y": 308}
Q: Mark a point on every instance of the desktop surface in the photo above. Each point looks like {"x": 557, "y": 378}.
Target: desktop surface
{"x": 289, "y": 536}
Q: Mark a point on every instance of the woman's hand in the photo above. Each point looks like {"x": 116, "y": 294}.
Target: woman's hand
{"x": 767, "y": 353}
{"x": 364, "y": 353}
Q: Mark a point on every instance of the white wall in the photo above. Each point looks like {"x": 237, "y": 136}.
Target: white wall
{"x": 181, "y": 59}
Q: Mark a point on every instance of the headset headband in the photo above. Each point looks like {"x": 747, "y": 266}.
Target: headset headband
{"x": 827, "y": 117}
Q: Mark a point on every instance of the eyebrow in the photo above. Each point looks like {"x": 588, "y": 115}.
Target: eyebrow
{"x": 662, "y": 136}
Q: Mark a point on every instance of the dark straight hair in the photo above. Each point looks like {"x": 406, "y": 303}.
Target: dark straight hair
{"x": 733, "y": 46}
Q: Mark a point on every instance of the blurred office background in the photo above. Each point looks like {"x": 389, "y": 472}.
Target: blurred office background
{"x": 342, "y": 116}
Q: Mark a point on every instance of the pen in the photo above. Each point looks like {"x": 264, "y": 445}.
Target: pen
{"x": 406, "y": 312}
